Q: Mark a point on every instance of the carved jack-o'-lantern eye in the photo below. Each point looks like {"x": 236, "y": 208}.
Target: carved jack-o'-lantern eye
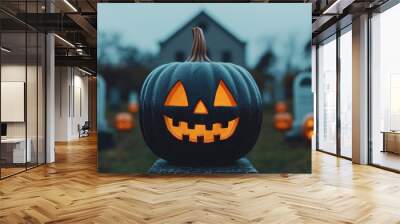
{"x": 177, "y": 96}
{"x": 223, "y": 96}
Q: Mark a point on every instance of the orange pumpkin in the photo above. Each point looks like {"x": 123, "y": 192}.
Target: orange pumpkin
{"x": 123, "y": 121}
{"x": 308, "y": 126}
{"x": 283, "y": 121}
{"x": 133, "y": 107}
{"x": 281, "y": 107}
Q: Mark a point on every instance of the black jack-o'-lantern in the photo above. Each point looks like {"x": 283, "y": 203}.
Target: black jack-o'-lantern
{"x": 198, "y": 111}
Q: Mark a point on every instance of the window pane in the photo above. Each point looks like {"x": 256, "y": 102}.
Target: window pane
{"x": 385, "y": 84}
{"x": 14, "y": 153}
{"x": 41, "y": 98}
{"x": 327, "y": 96}
{"x": 346, "y": 94}
{"x": 31, "y": 97}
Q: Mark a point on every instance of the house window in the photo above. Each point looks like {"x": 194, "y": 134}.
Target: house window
{"x": 203, "y": 26}
{"x": 226, "y": 56}
{"x": 305, "y": 82}
{"x": 179, "y": 56}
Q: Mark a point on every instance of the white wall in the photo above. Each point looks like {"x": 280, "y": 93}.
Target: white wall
{"x": 10, "y": 73}
{"x": 33, "y": 126}
{"x": 62, "y": 82}
{"x": 16, "y": 72}
{"x": 80, "y": 112}
{"x": 71, "y": 102}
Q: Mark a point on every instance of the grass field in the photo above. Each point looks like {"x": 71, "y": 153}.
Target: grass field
{"x": 271, "y": 154}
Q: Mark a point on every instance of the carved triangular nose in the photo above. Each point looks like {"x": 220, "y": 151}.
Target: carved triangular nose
{"x": 200, "y": 108}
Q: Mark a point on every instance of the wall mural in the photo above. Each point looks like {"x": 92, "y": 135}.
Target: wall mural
{"x": 210, "y": 95}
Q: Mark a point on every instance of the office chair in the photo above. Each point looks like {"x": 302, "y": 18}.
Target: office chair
{"x": 84, "y": 130}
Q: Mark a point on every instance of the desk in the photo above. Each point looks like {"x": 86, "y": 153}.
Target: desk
{"x": 391, "y": 141}
{"x": 16, "y": 147}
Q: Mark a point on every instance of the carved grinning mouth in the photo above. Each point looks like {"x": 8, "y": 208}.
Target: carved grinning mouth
{"x": 199, "y": 133}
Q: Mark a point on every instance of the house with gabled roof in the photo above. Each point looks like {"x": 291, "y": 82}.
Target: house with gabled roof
{"x": 222, "y": 45}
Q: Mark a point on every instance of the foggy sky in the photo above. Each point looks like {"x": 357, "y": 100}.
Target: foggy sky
{"x": 260, "y": 25}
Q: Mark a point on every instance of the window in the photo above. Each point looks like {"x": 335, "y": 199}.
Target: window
{"x": 334, "y": 121}
{"x": 305, "y": 83}
{"x": 203, "y": 25}
{"x": 346, "y": 94}
{"x": 226, "y": 56}
{"x": 179, "y": 56}
{"x": 385, "y": 89}
{"x": 327, "y": 96}
{"x": 22, "y": 74}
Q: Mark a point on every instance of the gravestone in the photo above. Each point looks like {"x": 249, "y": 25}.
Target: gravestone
{"x": 114, "y": 98}
{"x": 303, "y": 96}
{"x": 133, "y": 96}
{"x": 267, "y": 92}
{"x": 302, "y": 103}
{"x": 105, "y": 134}
{"x": 267, "y": 97}
{"x": 101, "y": 104}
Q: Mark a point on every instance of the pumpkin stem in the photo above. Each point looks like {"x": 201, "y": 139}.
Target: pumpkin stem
{"x": 199, "y": 48}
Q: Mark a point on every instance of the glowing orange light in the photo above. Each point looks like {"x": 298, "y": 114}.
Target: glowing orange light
{"x": 123, "y": 121}
{"x": 200, "y": 108}
{"x": 281, "y": 107}
{"x": 283, "y": 121}
{"x": 223, "y": 97}
{"x": 199, "y": 133}
{"x": 177, "y": 96}
{"x": 200, "y": 130}
{"x": 133, "y": 107}
{"x": 308, "y": 127}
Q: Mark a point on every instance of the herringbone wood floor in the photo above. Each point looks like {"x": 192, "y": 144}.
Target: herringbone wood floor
{"x": 71, "y": 191}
